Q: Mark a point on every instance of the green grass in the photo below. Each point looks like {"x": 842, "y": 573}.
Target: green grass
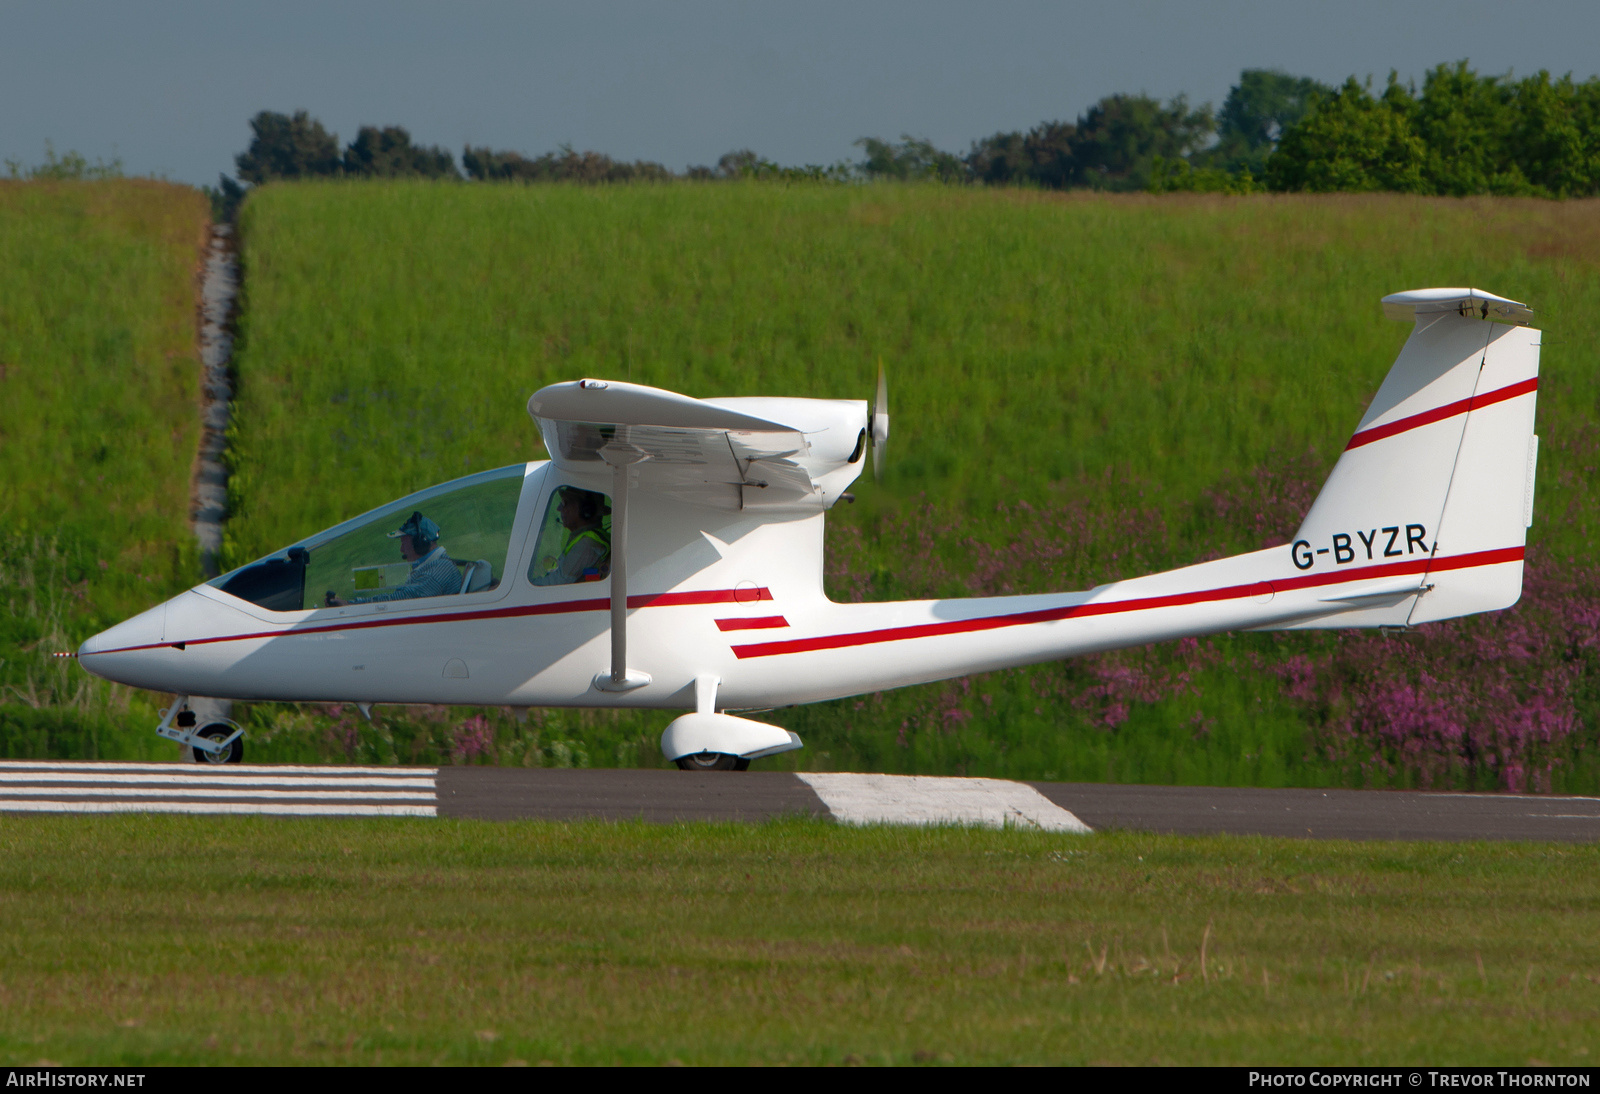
{"x": 395, "y": 330}
{"x": 155, "y": 940}
{"x": 99, "y": 419}
{"x": 1084, "y": 388}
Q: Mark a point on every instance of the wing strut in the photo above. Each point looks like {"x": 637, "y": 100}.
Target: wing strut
{"x": 622, "y": 458}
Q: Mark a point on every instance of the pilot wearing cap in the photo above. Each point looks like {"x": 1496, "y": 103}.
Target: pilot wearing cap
{"x": 432, "y": 572}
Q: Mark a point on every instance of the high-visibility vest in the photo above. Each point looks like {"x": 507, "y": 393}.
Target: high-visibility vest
{"x": 591, "y": 573}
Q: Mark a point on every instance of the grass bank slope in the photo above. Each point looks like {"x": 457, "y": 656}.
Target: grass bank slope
{"x": 409, "y": 942}
{"x": 1085, "y": 388}
{"x": 99, "y": 382}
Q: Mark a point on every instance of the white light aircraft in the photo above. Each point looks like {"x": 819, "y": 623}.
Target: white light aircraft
{"x": 668, "y": 556}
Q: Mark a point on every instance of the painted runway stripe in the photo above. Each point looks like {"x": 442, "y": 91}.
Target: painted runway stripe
{"x": 1440, "y": 413}
{"x": 1138, "y": 604}
{"x": 183, "y": 788}
{"x": 219, "y": 778}
{"x": 222, "y": 792}
{"x": 231, "y": 769}
{"x": 931, "y": 799}
{"x": 268, "y": 809}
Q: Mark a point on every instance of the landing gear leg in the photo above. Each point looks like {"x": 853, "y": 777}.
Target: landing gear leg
{"x": 217, "y": 742}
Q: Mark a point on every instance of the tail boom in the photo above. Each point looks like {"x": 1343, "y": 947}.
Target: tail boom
{"x": 1424, "y": 517}
{"x": 846, "y": 649}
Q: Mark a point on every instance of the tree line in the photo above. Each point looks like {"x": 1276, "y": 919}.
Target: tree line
{"x": 1461, "y": 133}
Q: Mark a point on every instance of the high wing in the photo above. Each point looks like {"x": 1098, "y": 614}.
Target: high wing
{"x": 734, "y": 454}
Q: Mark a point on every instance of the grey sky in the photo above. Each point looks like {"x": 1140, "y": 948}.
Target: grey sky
{"x": 169, "y": 86}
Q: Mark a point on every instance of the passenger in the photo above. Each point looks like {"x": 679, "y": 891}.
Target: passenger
{"x": 586, "y": 549}
{"x": 432, "y": 572}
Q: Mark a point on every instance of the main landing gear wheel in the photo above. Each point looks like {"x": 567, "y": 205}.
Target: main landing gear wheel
{"x": 233, "y": 754}
{"x": 713, "y": 761}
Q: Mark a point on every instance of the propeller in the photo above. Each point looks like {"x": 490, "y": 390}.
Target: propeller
{"x": 878, "y": 425}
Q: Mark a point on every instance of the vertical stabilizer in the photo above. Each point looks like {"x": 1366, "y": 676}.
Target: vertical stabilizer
{"x": 1433, "y": 490}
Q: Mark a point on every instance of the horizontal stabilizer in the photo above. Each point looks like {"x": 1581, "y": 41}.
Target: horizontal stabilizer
{"x": 1468, "y": 303}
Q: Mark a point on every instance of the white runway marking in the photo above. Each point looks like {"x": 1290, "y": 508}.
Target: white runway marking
{"x": 220, "y": 775}
{"x": 267, "y": 809}
{"x": 925, "y": 799}
{"x": 218, "y": 792}
{"x": 252, "y": 769}
{"x": 37, "y": 787}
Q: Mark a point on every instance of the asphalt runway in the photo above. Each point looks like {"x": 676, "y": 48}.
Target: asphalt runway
{"x": 551, "y": 793}
{"x": 495, "y": 793}
{"x": 507, "y": 793}
{"x": 1330, "y": 814}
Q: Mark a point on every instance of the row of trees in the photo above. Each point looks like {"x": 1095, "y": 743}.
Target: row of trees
{"x": 1462, "y": 133}
{"x": 298, "y": 146}
{"x": 70, "y": 166}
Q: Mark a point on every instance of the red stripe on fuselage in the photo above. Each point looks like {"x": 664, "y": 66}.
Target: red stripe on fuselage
{"x": 596, "y": 604}
{"x": 753, "y": 623}
{"x": 1440, "y": 413}
{"x": 1113, "y": 607}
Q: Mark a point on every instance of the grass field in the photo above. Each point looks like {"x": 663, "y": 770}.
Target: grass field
{"x": 157, "y": 940}
{"x": 1033, "y": 340}
{"x": 1085, "y": 388}
{"x": 99, "y": 383}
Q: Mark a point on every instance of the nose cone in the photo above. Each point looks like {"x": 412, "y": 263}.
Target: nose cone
{"x": 143, "y": 630}
{"x": 125, "y": 652}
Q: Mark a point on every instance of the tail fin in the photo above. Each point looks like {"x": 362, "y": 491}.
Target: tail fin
{"x": 1433, "y": 495}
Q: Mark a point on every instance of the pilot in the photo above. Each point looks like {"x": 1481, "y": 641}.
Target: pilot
{"x": 432, "y": 572}
{"x": 586, "y": 548}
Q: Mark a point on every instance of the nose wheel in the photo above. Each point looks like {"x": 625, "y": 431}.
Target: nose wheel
{"x": 219, "y": 731}
{"x": 713, "y": 761}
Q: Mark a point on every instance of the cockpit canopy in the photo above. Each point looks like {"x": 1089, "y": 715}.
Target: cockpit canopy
{"x": 386, "y": 555}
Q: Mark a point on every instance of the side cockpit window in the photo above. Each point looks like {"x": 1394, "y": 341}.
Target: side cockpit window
{"x": 448, "y": 541}
{"x": 574, "y": 542}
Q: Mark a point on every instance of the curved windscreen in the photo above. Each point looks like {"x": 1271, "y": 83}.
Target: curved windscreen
{"x": 445, "y": 541}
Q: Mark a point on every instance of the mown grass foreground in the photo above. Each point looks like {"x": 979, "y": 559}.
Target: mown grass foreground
{"x": 144, "y": 940}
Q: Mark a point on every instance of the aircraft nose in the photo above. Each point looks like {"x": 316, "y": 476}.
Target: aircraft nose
{"x": 117, "y": 653}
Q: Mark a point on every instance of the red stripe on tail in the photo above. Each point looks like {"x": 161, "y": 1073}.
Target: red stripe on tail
{"x": 1440, "y": 413}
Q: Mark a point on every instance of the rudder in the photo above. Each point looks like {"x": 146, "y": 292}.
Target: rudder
{"x": 1426, "y": 509}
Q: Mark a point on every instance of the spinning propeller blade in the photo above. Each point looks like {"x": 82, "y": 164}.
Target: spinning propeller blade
{"x": 878, "y": 414}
